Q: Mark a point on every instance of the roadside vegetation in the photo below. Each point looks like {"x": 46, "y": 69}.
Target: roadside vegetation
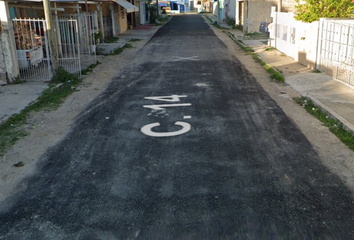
{"x": 120, "y": 50}
{"x": 312, "y": 10}
{"x": 336, "y": 127}
{"x": 274, "y": 73}
{"x": 161, "y": 20}
{"x": 117, "y": 50}
{"x": 61, "y": 86}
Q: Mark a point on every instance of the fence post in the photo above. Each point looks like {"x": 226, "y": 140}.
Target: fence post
{"x": 51, "y": 35}
{"x": 319, "y": 42}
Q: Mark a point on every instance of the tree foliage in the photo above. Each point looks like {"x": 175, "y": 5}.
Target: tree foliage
{"x": 313, "y": 10}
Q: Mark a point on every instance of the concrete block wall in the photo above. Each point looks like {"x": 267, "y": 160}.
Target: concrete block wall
{"x": 259, "y": 11}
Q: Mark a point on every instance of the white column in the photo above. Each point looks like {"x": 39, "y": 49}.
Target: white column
{"x": 237, "y": 13}
{"x": 8, "y": 43}
{"x": 111, "y": 7}
{"x": 100, "y": 15}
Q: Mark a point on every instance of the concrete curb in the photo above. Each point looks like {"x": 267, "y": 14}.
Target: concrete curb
{"x": 347, "y": 125}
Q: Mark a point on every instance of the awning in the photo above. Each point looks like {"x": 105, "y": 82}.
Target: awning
{"x": 128, "y": 6}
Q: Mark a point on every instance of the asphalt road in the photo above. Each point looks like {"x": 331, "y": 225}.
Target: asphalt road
{"x": 218, "y": 160}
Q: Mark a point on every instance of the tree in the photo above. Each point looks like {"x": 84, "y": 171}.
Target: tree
{"x": 313, "y": 10}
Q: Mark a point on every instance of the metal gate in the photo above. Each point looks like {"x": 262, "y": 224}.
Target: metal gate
{"x": 336, "y": 49}
{"x": 76, "y": 50}
{"x": 68, "y": 45}
{"x": 32, "y": 49}
{"x": 88, "y": 25}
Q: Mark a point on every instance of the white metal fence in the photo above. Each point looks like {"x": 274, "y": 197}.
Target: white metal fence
{"x": 327, "y": 45}
{"x": 336, "y": 49}
{"x": 68, "y": 45}
{"x": 75, "y": 45}
{"x": 88, "y": 26}
{"x": 32, "y": 49}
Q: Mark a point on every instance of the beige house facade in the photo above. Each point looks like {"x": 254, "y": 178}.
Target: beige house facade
{"x": 250, "y": 13}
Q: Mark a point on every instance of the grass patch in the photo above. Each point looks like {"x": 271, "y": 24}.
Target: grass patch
{"x": 134, "y": 40}
{"x": 112, "y": 40}
{"x": 211, "y": 21}
{"x": 161, "y": 20}
{"x": 274, "y": 73}
{"x": 90, "y": 68}
{"x": 269, "y": 49}
{"x": 238, "y": 27}
{"x": 334, "y": 125}
{"x": 17, "y": 80}
{"x": 61, "y": 86}
{"x": 215, "y": 24}
{"x": 256, "y": 35}
{"x": 120, "y": 50}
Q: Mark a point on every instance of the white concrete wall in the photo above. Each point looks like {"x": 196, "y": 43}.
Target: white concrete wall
{"x": 7, "y": 41}
{"x": 231, "y": 12}
{"x": 2, "y": 64}
{"x": 215, "y": 8}
{"x": 294, "y": 38}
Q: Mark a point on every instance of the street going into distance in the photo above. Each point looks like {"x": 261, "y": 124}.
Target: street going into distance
{"x": 183, "y": 144}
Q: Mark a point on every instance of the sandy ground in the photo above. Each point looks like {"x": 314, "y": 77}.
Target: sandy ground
{"x": 46, "y": 129}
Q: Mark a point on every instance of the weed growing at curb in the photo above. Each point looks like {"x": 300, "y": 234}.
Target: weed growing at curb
{"x": 215, "y": 24}
{"x": 90, "y": 68}
{"x": 18, "y": 80}
{"x": 62, "y": 85}
{"x": 268, "y": 49}
{"x": 112, "y": 40}
{"x": 274, "y": 74}
{"x": 336, "y": 127}
{"x": 211, "y": 21}
{"x": 120, "y": 50}
{"x": 134, "y": 40}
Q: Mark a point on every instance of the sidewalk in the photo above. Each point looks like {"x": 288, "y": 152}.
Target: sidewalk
{"x": 336, "y": 98}
{"x": 15, "y": 97}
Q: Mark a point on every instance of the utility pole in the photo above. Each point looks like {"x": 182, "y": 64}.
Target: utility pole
{"x": 157, "y": 8}
{"x": 53, "y": 53}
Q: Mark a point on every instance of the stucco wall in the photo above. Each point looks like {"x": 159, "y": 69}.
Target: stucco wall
{"x": 231, "y": 5}
{"x": 259, "y": 11}
{"x": 122, "y": 16}
{"x": 288, "y": 5}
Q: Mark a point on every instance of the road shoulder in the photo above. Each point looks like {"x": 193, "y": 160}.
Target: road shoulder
{"x": 337, "y": 157}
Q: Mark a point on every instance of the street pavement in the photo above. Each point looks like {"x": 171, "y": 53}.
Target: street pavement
{"x": 184, "y": 144}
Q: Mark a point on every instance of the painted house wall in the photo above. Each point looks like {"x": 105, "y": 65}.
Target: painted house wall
{"x": 259, "y": 11}
{"x": 230, "y": 9}
{"x": 288, "y": 5}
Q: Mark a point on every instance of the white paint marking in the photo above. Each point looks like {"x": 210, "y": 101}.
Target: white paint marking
{"x": 187, "y": 117}
{"x": 147, "y": 130}
{"x": 172, "y": 98}
{"x": 163, "y": 106}
{"x": 193, "y": 58}
{"x": 201, "y": 85}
